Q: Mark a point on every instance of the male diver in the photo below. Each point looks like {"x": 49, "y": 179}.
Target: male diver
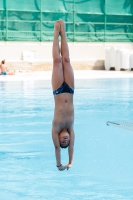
{"x": 63, "y": 90}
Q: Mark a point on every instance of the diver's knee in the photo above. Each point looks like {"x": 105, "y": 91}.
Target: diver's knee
{"x": 66, "y": 59}
{"x": 57, "y": 60}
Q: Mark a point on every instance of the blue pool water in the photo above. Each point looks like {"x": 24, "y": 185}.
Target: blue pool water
{"x": 103, "y": 160}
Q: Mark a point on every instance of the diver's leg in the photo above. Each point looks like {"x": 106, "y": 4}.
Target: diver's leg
{"x": 67, "y": 68}
{"x": 57, "y": 74}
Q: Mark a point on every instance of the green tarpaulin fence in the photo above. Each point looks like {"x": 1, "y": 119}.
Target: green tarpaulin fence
{"x": 86, "y": 20}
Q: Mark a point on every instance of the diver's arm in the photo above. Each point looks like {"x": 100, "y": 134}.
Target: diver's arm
{"x": 71, "y": 149}
{"x": 57, "y": 150}
{"x": 57, "y": 147}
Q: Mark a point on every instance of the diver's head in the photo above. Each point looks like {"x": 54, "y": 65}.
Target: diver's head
{"x": 64, "y": 138}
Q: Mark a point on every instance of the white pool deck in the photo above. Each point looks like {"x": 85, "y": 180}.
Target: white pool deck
{"x": 78, "y": 74}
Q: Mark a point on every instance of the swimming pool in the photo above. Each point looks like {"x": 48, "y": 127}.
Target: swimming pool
{"x": 103, "y": 164}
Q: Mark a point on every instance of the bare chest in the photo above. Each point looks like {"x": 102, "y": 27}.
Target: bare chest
{"x": 60, "y": 125}
{"x": 64, "y": 112}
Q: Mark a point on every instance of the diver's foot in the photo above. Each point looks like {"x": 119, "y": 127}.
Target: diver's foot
{"x": 57, "y": 27}
{"x": 62, "y": 25}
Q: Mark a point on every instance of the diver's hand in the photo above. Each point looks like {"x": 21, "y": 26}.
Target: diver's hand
{"x": 61, "y": 167}
{"x": 68, "y": 166}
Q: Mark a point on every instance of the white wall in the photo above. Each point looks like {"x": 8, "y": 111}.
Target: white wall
{"x": 12, "y": 51}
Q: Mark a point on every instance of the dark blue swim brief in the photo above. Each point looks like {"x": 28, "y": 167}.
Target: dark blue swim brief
{"x": 64, "y": 88}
